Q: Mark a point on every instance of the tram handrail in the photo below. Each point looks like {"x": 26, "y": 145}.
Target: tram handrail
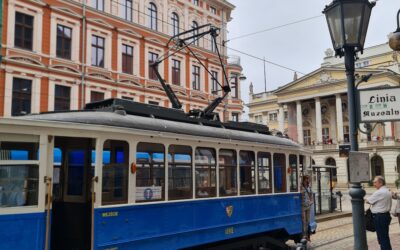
{"x": 49, "y": 184}
{"x": 94, "y": 179}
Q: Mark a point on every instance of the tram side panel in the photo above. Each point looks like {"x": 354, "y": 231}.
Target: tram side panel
{"x": 190, "y": 223}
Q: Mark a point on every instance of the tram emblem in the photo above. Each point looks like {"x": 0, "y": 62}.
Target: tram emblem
{"x": 229, "y": 211}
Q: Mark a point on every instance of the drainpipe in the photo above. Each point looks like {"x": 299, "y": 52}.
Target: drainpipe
{"x": 83, "y": 49}
{"x": 1, "y": 28}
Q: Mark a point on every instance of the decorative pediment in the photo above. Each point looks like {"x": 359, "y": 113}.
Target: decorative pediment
{"x": 200, "y": 97}
{"x": 24, "y": 59}
{"x": 200, "y": 56}
{"x": 179, "y": 92}
{"x": 66, "y": 11}
{"x": 325, "y": 121}
{"x": 154, "y": 40}
{"x": 130, "y": 32}
{"x": 65, "y": 68}
{"x": 306, "y": 124}
{"x": 155, "y": 87}
{"x": 39, "y": 2}
{"x": 130, "y": 82}
{"x": 99, "y": 75}
{"x": 101, "y": 22}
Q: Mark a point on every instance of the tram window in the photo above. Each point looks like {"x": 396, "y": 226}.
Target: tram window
{"x": 302, "y": 162}
{"x": 18, "y": 177}
{"x": 227, "y": 172}
{"x": 264, "y": 173}
{"x": 150, "y": 173}
{"x": 115, "y": 172}
{"x": 293, "y": 174}
{"x": 247, "y": 172}
{"x": 205, "y": 172}
{"x": 179, "y": 172}
{"x": 279, "y": 173}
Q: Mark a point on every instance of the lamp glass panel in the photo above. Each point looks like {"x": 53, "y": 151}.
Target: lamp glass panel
{"x": 367, "y": 15}
{"x": 333, "y": 16}
{"x": 352, "y": 13}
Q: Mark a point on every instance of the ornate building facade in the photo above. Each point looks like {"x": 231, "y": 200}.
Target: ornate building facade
{"x": 312, "y": 110}
{"x": 59, "y": 55}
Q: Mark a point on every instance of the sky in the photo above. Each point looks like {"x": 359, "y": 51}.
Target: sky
{"x": 298, "y": 46}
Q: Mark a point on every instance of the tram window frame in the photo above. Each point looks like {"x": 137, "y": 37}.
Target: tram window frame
{"x": 177, "y": 166}
{"x": 227, "y": 159}
{"x": 19, "y": 174}
{"x": 205, "y": 184}
{"x": 155, "y": 172}
{"x": 293, "y": 173}
{"x": 282, "y": 167}
{"x": 250, "y": 187}
{"x": 115, "y": 147}
{"x": 264, "y": 167}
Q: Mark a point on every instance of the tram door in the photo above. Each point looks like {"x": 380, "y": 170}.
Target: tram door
{"x": 71, "y": 213}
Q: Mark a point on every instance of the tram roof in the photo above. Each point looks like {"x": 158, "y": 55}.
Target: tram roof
{"x": 122, "y": 120}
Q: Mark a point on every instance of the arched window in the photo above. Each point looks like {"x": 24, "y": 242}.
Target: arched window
{"x": 175, "y": 23}
{"x": 331, "y": 162}
{"x": 195, "y": 25}
{"x": 377, "y": 167}
{"x": 153, "y": 16}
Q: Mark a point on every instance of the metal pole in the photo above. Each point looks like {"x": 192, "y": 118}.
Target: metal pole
{"x": 356, "y": 192}
{"x": 265, "y": 78}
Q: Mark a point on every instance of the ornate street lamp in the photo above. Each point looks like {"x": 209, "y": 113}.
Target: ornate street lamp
{"x": 348, "y": 23}
{"x": 394, "y": 39}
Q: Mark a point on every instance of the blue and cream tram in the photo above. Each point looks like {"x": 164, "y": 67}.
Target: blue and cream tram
{"x": 111, "y": 178}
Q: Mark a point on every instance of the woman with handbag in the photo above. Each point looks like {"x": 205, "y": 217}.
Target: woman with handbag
{"x": 396, "y": 211}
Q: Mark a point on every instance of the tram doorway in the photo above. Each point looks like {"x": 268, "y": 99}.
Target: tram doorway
{"x": 72, "y": 174}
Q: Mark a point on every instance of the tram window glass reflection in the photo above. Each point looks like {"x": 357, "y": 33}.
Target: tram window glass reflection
{"x": 180, "y": 172}
{"x": 115, "y": 172}
{"x": 279, "y": 173}
{"x": 293, "y": 174}
{"x": 205, "y": 172}
{"x": 247, "y": 172}
{"x": 264, "y": 173}
{"x": 18, "y": 176}
{"x": 150, "y": 173}
{"x": 227, "y": 172}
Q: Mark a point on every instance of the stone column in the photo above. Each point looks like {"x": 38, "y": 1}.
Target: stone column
{"x": 299, "y": 119}
{"x": 339, "y": 119}
{"x": 281, "y": 119}
{"x": 318, "y": 120}
{"x": 388, "y": 130}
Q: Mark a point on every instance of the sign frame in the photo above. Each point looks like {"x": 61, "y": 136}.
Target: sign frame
{"x": 358, "y": 157}
{"x": 358, "y": 103}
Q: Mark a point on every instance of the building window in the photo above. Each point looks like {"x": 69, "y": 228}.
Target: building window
{"x": 127, "y": 59}
{"x": 98, "y": 4}
{"x": 96, "y": 96}
{"x": 325, "y": 136}
{"x": 196, "y": 77}
{"x": 62, "y": 97}
{"x": 346, "y": 134}
{"x": 195, "y": 25}
{"x": 307, "y": 137}
{"x": 21, "y": 97}
{"x": 64, "y": 41}
{"x": 153, "y": 16}
{"x": 285, "y": 115}
{"x": 127, "y": 10}
{"x": 176, "y": 72}
{"x": 213, "y": 10}
{"x": 175, "y": 24}
{"x": 273, "y": 117}
{"x": 152, "y": 59}
{"x": 196, "y": 2}
{"x": 97, "y": 51}
{"x": 23, "y": 31}
{"x": 214, "y": 82}
{"x": 154, "y": 103}
{"x": 258, "y": 119}
{"x": 234, "y": 86}
{"x": 235, "y": 117}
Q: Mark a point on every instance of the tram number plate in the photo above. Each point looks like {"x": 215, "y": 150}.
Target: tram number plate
{"x": 229, "y": 230}
{"x": 109, "y": 214}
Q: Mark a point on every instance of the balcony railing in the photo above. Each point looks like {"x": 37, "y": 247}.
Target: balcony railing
{"x": 234, "y": 60}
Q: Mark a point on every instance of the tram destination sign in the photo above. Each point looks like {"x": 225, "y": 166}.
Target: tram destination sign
{"x": 379, "y": 104}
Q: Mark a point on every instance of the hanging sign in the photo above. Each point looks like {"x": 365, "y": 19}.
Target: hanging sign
{"x": 379, "y": 104}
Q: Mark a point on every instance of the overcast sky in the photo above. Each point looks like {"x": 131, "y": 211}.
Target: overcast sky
{"x": 299, "y": 46}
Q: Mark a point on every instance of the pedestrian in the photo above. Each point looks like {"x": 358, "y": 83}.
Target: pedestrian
{"x": 396, "y": 211}
{"x": 307, "y": 201}
{"x": 381, "y": 203}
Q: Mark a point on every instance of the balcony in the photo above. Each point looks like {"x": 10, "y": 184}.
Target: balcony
{"x": 234, "y": 61}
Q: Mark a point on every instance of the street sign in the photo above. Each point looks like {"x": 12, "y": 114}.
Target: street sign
{"x": 358, "y": 167}
{"x": 344, "y": 150}
{"x": 379, "y": 104}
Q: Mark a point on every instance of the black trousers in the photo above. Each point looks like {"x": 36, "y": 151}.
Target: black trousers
{"x": 382, "y": 222}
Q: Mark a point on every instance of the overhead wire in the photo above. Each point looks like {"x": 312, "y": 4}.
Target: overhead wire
{"x": 224, "y": 42}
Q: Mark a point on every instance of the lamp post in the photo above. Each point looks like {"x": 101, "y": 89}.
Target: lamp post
{"x": 394, "y": 39}
{"x": 348, "y": 23}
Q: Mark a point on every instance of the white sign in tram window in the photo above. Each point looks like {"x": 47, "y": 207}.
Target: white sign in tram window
{"x": 377, "y": 105}
{"x": 148, "y": 193}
